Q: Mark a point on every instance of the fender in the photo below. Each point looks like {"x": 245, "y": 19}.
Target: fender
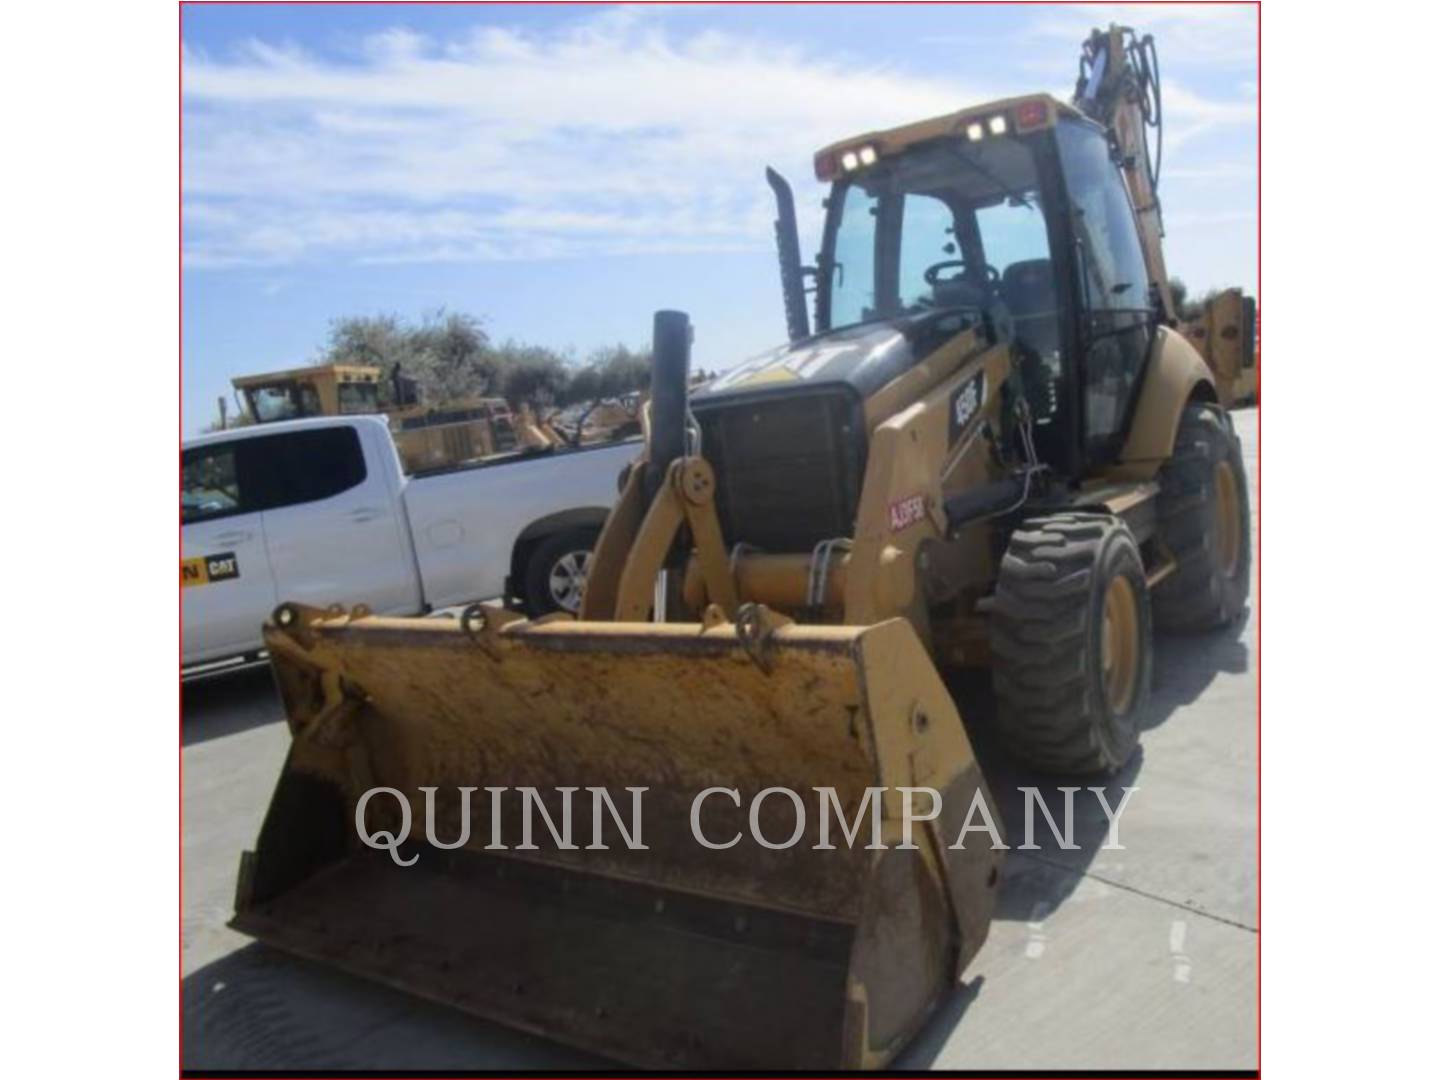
{"x": 1175, "y": 376}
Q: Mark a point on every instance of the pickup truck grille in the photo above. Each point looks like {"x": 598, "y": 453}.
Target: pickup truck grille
{"x": 789, "y": 466}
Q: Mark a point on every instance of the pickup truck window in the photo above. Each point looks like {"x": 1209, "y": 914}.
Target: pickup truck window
{"x": 209, "y": 485}
{"x": 301, "y": 466}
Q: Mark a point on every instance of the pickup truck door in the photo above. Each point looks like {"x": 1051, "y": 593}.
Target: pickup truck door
{"x": 333, "y": 524}
{"x": 226, "y": 588}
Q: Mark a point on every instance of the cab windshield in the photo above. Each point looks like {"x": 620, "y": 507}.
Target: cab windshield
{"x": 949, "y": 224}
{"x": 282, "y": 401}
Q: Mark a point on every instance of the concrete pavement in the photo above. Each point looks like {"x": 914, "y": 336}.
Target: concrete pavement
{"x": 1133, "y": 959}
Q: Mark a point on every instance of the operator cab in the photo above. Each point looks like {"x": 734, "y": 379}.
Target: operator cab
{"x": 941, "y": 226}
{"x": 325, "y": 390}
{"x": 1017, "y": 213}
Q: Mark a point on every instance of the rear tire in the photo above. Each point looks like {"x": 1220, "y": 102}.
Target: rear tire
{"x": 1071, "y": 636}
{"x": 1204, "y": 521}
{"x": 556, "y": 570}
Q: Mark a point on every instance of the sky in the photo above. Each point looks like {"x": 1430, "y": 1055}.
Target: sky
{"x": 564, "y": 170}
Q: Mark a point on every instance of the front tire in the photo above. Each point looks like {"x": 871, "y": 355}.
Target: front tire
{"x": 1070, "y": 633}
{"x": 556, "y": 571}
{"x": 1204, "y": 521}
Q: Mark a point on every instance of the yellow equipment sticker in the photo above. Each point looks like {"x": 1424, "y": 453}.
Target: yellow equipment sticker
{"x": 769, "y": 375}
{"x": 204, "y": 569}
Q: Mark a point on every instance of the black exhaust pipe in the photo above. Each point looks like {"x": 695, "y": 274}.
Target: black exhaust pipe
{"x": 669, "y": 395}
{"x": 787, "y": 242}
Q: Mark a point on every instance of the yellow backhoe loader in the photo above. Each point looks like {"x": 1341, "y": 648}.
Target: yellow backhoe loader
{"x": 993, "y": 449}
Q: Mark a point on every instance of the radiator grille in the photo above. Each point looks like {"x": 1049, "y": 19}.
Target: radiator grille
{"x": 789, "y": 467}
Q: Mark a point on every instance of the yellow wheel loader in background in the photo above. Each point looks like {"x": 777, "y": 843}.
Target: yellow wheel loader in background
{"x": 426, "y": 436}
{"x": 1226, "y": 333}
{"x": 994, "y": 449}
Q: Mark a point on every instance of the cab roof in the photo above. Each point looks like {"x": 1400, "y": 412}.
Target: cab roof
{"x": 1032, "y": 112}
{"x": 358, "y": 372}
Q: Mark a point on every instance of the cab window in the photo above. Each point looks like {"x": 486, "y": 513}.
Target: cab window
{"x": 302, "y": 466}
{"x": 904, "y": 236}
{"x": 1112, "y": 262}
{"x": 269, "y": 472}
{"x": 1016, "y": 244}
{"x": 852, "y": 276}
{"x": 358, "y": 397}
{"x": 310, "y": 400}
{"x": 927, "y": 237}
{"x": 1114, "y": 289}
{"x": 1013, "y": 231}
{"x": 276, "y": 402}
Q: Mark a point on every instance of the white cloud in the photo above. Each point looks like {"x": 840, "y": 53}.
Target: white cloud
{"x": 614, "y": 135}
{"x": 1216, "y": 217}
{"x": 1222, "y": 172}
{"x": 1186, "y": 115}
{"x": 610, "y": 136}
{"x": 1188, "y": 34}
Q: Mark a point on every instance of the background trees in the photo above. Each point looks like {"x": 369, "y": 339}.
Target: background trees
{"x": 1185, "y": 306}
{"x": 450, "y": 356}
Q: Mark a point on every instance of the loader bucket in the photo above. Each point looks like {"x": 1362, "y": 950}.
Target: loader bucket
{"x": 677, "y": 955}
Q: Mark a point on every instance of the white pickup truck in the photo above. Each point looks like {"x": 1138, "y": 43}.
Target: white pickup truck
{"x": 321, "y": 512}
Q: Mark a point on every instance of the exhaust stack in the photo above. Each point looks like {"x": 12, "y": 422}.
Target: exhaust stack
{"x": 669, "y": 395}
{"x": 787, "y": 241}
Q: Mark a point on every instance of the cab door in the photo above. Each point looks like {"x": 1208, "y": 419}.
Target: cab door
{"x": 333, "y": 526}
{"x": 1117, "y": 316}
{"x": 226, "y": 587}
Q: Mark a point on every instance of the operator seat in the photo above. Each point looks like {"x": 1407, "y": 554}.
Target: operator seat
{"x": 1028, "y": 289}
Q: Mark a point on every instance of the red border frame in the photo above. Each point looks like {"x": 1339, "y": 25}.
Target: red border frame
{"x": 1259, "y": 426}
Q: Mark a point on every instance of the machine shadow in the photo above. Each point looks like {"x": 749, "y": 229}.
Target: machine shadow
{"x": 258, "y": 1009}
{"x": 929, "y": 1041}
{"x": 227, "y": 702}
{"x": 244, "y": 1011}
{"x": 1035, "y": 881}
{"x": 1186, "y": 665}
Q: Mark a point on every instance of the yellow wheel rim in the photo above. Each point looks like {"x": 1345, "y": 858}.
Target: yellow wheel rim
{"x": 1227, "y": 517}
{"x": 1120, "y": 645}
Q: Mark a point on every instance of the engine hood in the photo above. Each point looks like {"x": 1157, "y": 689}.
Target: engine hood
{"x": 866, "y": 357}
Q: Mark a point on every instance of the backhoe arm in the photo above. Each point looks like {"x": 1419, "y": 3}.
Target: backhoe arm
{"x": 1119, "y": 88}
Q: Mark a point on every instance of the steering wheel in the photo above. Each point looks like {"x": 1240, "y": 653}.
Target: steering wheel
{"x": 933, "y": 278}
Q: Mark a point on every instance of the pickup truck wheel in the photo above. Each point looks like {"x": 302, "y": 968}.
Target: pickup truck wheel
{"x": 556, "y": 570}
